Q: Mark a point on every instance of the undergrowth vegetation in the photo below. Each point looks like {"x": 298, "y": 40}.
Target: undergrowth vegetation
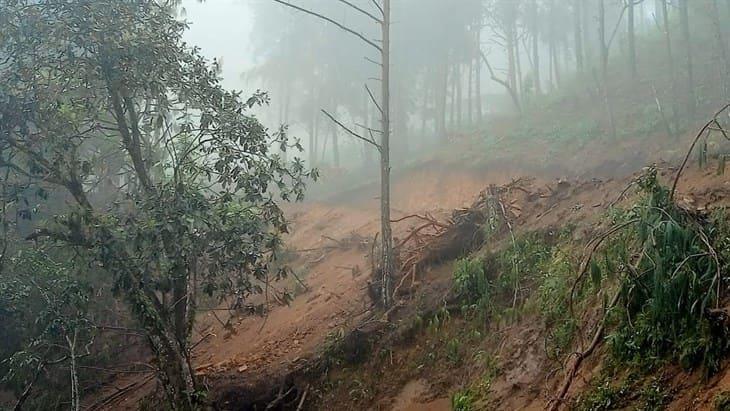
{"x": 674, "y": 284}
{"x": 665, "y": 262}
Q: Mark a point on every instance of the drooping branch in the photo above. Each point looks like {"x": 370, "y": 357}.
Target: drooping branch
{"x": 361, "y": 10}
{"x": 374, "y": 62}
{"x": 506, "y": 85}
{"x": 692, "y": 146}
{"x": 380, "y": 8}
{"x": 373, "y": 99}
{"x": 370, "y": 129}
{"x": 352, "y": 133}
{"x": 620, "y": 19}
{"x": 336, "y": 23}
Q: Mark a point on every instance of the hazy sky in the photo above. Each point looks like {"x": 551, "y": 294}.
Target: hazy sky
{"x": 221, "y": 28}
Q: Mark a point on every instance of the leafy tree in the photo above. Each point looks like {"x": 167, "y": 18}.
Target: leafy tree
{"x": 43, "y": 309}
{"x": 89, "y": 83}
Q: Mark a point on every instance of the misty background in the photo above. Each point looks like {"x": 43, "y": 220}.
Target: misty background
{"x": 441, "y": 86}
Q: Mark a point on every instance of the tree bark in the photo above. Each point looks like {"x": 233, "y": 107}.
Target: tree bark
{"x": 536, "y": 47}
{"x": 578, "y": 34}
{"x": 452, "y": 99}
{"x": 367, "y": 148}
{"x": 604, "y": 65}
{"x": 518, "y": 68}
{"x": 458, "y": 83}
{"x": 511, "y": 63}
{"x": 721, "y": 45}
{"x": 478, "y": 74}
{"x": 587, "y": 44}
{"x": 632, "y": 40}
{"x": 684, "y": 23}
{"x": 470, "y": 92}
{"x": 670, "y": 62}
{"x": 443, "y": 85}
{"x": 335, "y": 148}
{"x": 387, "y": 263}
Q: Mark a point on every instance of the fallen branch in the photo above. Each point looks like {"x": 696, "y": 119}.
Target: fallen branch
{"x": 692, "y": 146}
{"x": 593, "y": 245}
{"x": 575, "y": 366}
{"x": 304, "y": 396}
{"x": 121, "y": 391}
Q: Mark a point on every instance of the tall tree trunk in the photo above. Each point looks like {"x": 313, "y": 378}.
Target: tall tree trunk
{"x": 511, "y": 63}
{"x": 335, "y": 144}
{"x": 441, "y": 94}
{"x": 478, "y": 75}
{"x": 367, "y": 148}
{"x": 285, "y": 119}
{"x": 721, "y": 44}
{"x": 536, "y": 47}
{"x": 316, "y": 134}
{"x": 553, "y": 49}
{"x": 312, "y": 154}
{"x": 424, "y": 104}
{"x": 470, "y": 91}
{"x": 518, "y": 68}
{"x": 458, "y": 83}
{"x": 387, "y": 263}
{"x": 578, "y": 34}
{"x": 312, "y": 130}
{"x": 632, "y": 40}
{"x": 684, "y": 23}
{"x": 556, "y": 63}
{"x": 604, "y": 65}
{"x": 587, "y": 43}
{"x": 452, "y": 98}
{"x": 178, "y": 379}
{"x": 670, "y": 62}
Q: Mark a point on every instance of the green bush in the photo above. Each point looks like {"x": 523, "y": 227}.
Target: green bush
{"x": 667, "y": 293}
{"x": 462, "y": 401}
{"x": 472, "y": 285}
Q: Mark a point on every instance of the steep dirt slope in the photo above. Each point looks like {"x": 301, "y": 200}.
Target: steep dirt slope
{"x": 412, "y": 377}
{"x": 329, "y": 246}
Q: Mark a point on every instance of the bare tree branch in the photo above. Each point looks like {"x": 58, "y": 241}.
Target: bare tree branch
{"x": 377, "y": 20}
{"x": 496, "y": 79}
{"x": 692, "y": 146}
{"x": 380, "y": 8}
{"x": 354, "y": 134}
{"x": 325, "y": 18}
{"x": 368, "y": 128}
{"x": 373, "y": 61}
{"x": 373, "y": 99}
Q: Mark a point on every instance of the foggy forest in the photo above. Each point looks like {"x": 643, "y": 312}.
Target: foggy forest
{"x": 393, "y": 205}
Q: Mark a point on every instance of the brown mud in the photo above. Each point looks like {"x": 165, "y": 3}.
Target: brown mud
{"x": 330, "y": 245}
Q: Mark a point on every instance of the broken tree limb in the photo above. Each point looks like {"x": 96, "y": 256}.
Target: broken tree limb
{"x": 575, "y": 366}
{"x": 352, "y": 133}
{"x": 692, "y": 146}
{"x": 593, "y": 246}
{"x": 329, "y": 20}
{"x": 510, "y": 90}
